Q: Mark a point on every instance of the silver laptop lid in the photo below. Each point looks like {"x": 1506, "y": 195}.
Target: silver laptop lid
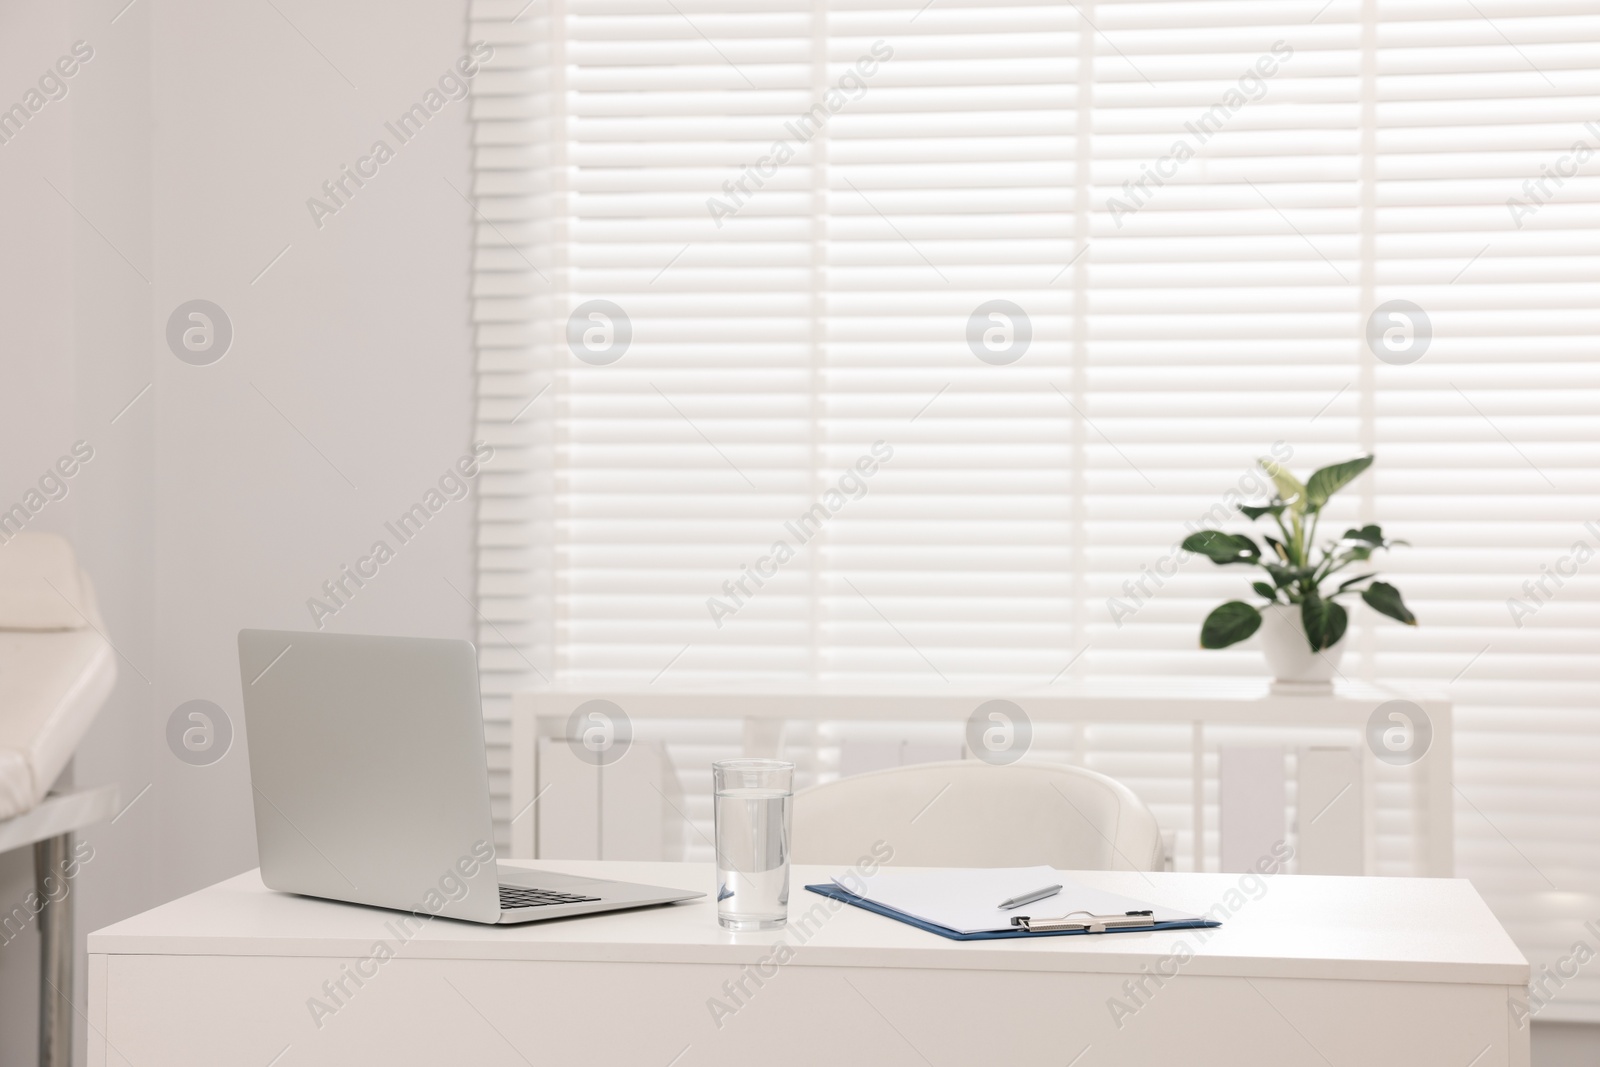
{"x": 368, "y": 772}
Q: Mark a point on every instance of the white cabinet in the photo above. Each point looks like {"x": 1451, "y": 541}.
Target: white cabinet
{"x": 1189, "y": 793}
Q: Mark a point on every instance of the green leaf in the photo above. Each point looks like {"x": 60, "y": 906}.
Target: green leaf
{"x": 1277, "y": 546}
{"x": 1254, "y": 512}
{"x": 1352, "y": 581}
{"x": 1229, "y": 624}
{"x": 1285, "y": 576}
{"x": 1263, "y": 589}
{"x": 1223, "y": 548}
{"x": 1329, "y": 480}
{"x": 1385, "y": 599}
{"x": 1373, "y": 535}
{"x": 1324, "y": 621}
{"x": 1338, "y": 619}
{"x": 1289, "y": 486}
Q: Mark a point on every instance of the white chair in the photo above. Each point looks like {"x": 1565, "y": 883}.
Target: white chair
{"x": 966, "y": 813}
{"x": 56, "y": 670}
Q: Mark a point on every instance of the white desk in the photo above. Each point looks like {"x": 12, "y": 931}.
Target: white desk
{"x": 1316, "y": 971}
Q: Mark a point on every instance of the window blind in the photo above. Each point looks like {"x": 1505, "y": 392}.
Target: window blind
{"x": 973, "y": 308}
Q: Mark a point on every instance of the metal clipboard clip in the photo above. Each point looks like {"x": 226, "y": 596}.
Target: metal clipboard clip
{"x": 1089, "y": 924}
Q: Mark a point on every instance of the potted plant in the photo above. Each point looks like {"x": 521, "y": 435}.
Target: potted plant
{"x": 1302, "y": 622}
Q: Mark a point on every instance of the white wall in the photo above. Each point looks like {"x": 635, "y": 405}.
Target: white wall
{"x": 191, "y": 142}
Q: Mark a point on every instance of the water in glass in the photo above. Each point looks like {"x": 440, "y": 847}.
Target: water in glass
{"x": 752, "y": 841}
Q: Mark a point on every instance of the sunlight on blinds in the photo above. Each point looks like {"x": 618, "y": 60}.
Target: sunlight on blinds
{"x": 902, "y": 343}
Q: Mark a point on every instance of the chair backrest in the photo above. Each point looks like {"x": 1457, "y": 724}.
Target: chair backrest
{"x": 966, "y": 813}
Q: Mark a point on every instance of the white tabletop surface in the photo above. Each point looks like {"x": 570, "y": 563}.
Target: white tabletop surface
{"x": 1309, "y": 926}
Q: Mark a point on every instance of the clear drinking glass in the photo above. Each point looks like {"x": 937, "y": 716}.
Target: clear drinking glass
{"x": 752, "y": 817}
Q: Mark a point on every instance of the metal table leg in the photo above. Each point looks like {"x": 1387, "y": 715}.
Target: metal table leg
{"x": 55, "y": 950}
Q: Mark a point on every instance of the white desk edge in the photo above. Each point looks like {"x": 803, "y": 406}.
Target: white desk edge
{"x": 1389, "y": 929}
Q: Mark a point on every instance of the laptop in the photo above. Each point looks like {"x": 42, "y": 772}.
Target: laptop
{"x": 370, "y": 783}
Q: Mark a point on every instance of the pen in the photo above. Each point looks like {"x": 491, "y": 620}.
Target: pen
{"x": 1029, "y": 898}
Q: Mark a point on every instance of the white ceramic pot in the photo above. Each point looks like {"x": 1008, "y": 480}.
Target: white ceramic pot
{"x": 1294, "y": 665}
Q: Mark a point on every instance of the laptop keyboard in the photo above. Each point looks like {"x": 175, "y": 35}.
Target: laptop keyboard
{"x": 516, "y": 896}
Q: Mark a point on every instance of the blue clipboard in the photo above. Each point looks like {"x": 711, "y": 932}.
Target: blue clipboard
{"x": 835, "y": 893}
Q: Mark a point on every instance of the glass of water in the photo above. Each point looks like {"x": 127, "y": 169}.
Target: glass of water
{"x": 752, "y": 815}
